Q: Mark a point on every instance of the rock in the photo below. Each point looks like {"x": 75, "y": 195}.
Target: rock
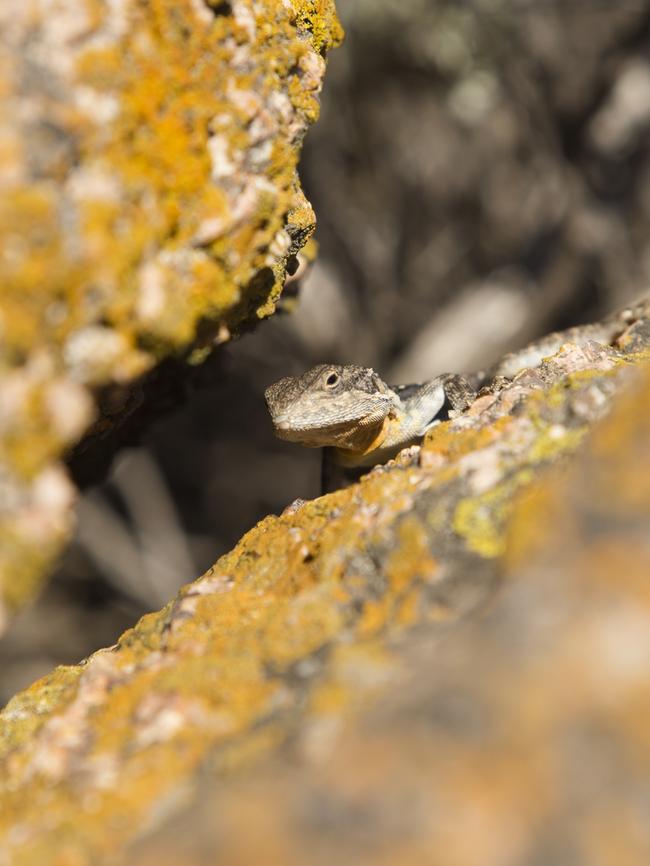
{"x": 450, "y": 657}
{"x": 148, "y": 186}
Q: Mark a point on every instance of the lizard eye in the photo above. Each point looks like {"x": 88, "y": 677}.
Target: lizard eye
{"x": 332, "y": 380}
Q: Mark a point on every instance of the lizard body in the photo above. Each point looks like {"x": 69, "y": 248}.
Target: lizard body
{"x": 359, "y": 419}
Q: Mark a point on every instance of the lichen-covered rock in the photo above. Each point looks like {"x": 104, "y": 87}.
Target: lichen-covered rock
{"x": 520, "y": 738}
{"x": 148, "y": 186}
{"x": 478, "y": 752}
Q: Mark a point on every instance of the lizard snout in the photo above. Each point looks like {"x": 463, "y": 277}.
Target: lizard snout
{"x": 281, "y": 422}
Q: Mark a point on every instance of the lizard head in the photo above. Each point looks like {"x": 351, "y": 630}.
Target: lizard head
{"x": 330, "y": 405}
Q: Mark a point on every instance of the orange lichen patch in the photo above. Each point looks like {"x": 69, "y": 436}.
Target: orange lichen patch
{"x": 30, "y": 708}
{"x": 411, "y": 556}
{"x": 376, "y": 614}
{"x": 452, "y": 443}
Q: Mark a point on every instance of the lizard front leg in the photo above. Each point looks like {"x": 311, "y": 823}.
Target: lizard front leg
{"x": 427, "y": 404}
{"x": 460, "y": 391}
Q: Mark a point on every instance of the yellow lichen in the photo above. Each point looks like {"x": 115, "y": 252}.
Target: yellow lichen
{"x": 443, "y": 439}
{"x": 481, "y": 520}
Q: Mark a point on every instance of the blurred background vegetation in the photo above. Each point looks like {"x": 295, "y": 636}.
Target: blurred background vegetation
{"x": 481, "y": 175}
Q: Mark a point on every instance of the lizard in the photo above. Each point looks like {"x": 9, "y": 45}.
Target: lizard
{"x": 361, "y": 422}
{"x": 356, "y": 417}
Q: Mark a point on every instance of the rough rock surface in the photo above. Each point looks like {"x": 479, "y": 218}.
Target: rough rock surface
{"x": 149, "y": 204}
{"x": 517, "y": 736}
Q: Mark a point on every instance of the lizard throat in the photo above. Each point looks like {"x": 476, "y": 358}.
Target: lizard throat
{"x": 368, "y": 444}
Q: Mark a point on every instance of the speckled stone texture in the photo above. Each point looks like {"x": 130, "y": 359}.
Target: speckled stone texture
{"x": 149, "y": 204}
{"x": 446, "y": 663}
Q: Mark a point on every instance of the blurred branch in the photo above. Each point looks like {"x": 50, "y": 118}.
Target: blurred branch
{"x": 145, "y": 556}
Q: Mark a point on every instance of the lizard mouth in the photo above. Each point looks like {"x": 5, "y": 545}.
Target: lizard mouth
{"x": 308, "y": 435}
{"x": 356, "y": 437}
